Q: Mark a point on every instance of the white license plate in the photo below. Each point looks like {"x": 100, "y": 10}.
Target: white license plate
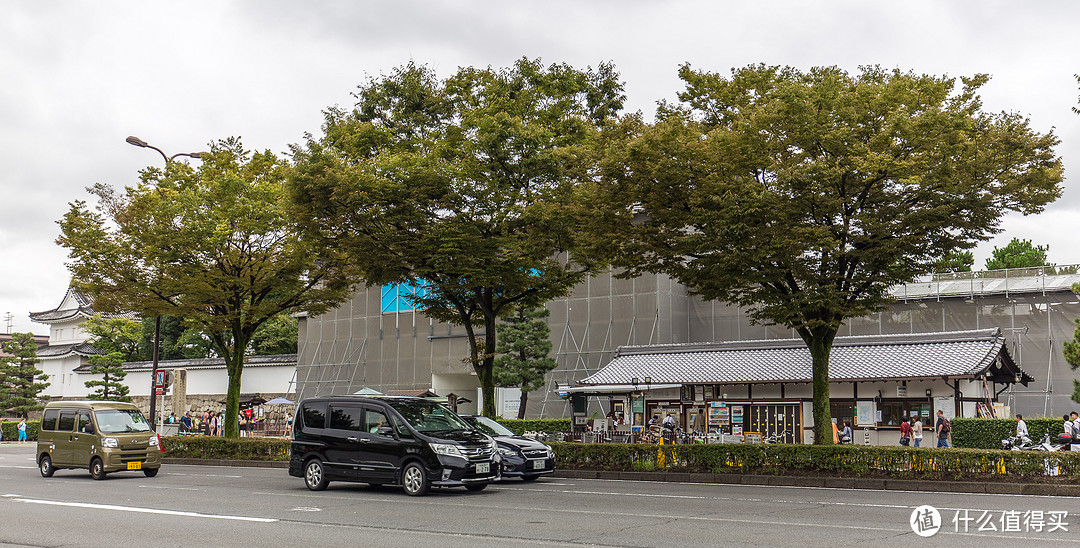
{"x": 483, "y": 467}
{"x": 538, "y": 465}
{"x": 134, "y": 466}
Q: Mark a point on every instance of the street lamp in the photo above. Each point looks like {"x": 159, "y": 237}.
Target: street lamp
{"x": 133, "y": 140}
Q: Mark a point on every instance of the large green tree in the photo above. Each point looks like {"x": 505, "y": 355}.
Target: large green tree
{"x": 804, "y": 196}
{"x": 464, "y": 186}
{"x": 215, "y": 245}
{"x": 116, "y": 340}
{"x": 21, "y": 382}
{"x": 523, "y": 350}
{"x": 1072, "y": 350}
{"x": 1017, "y": 254}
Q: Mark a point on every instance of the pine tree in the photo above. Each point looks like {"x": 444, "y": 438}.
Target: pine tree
{"x": 524, "y": 345}
{"x": 18, "y": 376}
{"x": 116, "y": 341}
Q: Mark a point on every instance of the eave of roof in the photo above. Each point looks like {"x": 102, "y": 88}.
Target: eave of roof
{"x": 947, "y": 355}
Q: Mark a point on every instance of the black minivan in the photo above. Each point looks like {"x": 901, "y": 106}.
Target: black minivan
{"x": 395, "y": 440}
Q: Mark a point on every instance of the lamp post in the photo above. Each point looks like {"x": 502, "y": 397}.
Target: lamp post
{"x": 133, "y": 140}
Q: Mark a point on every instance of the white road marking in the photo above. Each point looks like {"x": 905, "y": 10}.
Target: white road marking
{"x": 305, "y": 509}
{"x": 143, "y": 510}
{"x": 170, "y": 488}
{"x": 13, "y": 466}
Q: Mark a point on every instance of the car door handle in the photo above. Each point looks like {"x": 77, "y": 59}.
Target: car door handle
{"x": 352, "y": 438}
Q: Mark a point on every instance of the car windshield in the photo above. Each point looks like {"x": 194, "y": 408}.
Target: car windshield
{"x": 116, "y": 421}
{"x": 429, "y": 416}
{"x": 492, "y": 428}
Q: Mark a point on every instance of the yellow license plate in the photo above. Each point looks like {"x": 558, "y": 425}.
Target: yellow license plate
{"x": 134, "y": 466}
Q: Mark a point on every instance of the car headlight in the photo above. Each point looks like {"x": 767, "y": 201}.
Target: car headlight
{"x": 550, "y": 453}
{"x": 153, "y": 440}
{"x": 110, "y": 442}
{"x": 448, "y": 449}
{"x": 507, "y": 452}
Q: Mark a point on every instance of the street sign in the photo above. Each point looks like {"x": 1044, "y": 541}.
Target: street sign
{"x": 159, "y": 392}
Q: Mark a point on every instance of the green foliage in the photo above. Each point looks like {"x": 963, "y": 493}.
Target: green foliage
{"x": 1018, "y": 254}
{"x": 464, "y": 185}
{"x": 957, "y": 261}
{"x": 11, "y": 430}
{"x": 21, "y": 382}
{"x": 213, "y": 447}
{"x": 804, "y": 196}
{"x": 520, "y": 426}
{"x": 523, "y": 348}
{"x": 988, "y": 433}
{"x": 116, "y": 341}
{"x": 277, "y": 336}
{"x": 1071, "y": 350}
{"x": 843, "y": 460}
{"x": 216, "y": 245}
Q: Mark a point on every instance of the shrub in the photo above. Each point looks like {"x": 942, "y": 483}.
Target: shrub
{"x": 536, "y": 425}
{"x": 210, "y": 447}
{"x": 779, "y": 459}
{"x": 988, "y": 433}
{"x": 11, "y": 430}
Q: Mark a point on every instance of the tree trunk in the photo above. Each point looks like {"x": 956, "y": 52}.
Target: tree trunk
{"x": 231, "y": 428}
{"x": 486, "y": 372}
{"x": 820, "y": 341}
{"x": 524, "y": 402}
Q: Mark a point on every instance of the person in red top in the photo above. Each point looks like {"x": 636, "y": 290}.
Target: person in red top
{"x": 905, "y": 431}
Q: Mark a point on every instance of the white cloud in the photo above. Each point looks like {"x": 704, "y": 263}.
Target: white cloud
{"x": 79, "y": 77}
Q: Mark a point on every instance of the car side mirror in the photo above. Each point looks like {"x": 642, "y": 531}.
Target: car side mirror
{"x": 89, "y": 429}
{"x": 386, "y": 431}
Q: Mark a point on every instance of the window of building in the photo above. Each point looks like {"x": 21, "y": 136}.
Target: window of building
{"x": 843, "y": 411}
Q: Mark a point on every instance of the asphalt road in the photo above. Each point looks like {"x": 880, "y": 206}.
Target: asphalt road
{"x": 220, "y": 506}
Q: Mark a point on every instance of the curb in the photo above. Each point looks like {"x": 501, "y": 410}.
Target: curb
{"x": 878, "y": 484}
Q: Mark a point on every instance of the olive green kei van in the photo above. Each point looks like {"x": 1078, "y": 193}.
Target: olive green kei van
{"x": 99, "y": 436}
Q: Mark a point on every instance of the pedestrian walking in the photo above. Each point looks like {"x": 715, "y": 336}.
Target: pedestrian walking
{"x": 22, "y": 430}
{"x": 942, "y": 428}
{"x": 916, "y": 432}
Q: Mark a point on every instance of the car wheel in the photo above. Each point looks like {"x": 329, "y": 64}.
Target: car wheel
{"x": 315, "y": 475}
{"x": 150, "y": 472}
{"x": 475, "y": 487}
{"x": 414, "y": 480}
{"x": 46, "y": 467}
{"x": 529, "y": 478}
{"x": 97, "y": 469}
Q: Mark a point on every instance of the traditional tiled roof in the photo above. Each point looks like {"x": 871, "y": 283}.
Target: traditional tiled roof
{"x": 84, "y": 306}
{"x": 956, "y": 354}
{"x": 203, "y": 363}
{"x": 422, "y": 393}
{"x": 60, "y": 350}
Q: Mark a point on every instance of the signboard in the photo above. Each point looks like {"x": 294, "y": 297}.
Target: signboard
{"x": 736, "y": 414}
{"x": 947, "y": 406}
{"x": 638, "y": 405}
{"x": 866, "y": 413}
{"x": 159, "y": 379}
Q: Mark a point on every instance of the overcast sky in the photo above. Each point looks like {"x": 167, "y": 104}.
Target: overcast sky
{"x": 79, "y": 77}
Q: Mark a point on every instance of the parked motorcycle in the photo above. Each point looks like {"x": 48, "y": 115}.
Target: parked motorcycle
{"x": 1016, "y": 443}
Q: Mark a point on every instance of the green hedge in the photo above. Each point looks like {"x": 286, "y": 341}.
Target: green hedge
{"x": 211, "y": 447}
{"x": 11, "y": 430}
{"x": 781, "y": 459}
{"x": 988, "y": 433}
{"x": 536, "y": 425}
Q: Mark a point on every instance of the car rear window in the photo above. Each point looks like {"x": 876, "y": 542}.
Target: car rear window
{"x": 48, "y": 420}
{"x": 314, "y": 415}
